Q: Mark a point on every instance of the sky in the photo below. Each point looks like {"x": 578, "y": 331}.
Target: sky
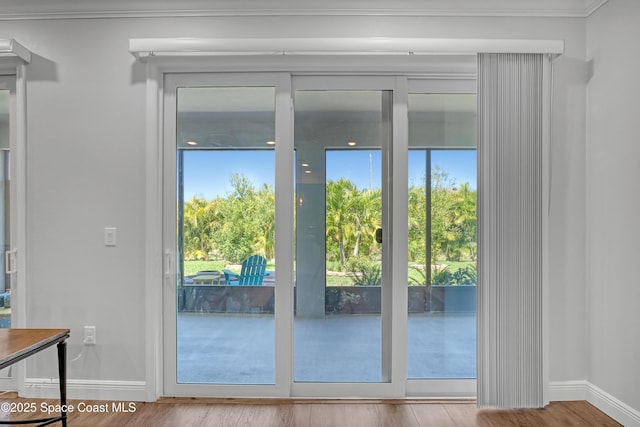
{"x": 207, "y": 173}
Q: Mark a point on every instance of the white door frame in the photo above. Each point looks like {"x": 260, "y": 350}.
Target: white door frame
{"x": 283, "y": 221}
{"x": 393, "y": 297}
{"x": 13, "y": 78}
{"x": 425, "y": 67}
{"x": 442, "y": 388}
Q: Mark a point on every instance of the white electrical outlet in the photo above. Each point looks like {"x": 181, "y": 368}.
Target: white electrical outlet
{"x": 89, "y": 335}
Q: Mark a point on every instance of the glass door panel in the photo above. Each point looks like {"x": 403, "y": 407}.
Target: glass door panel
{"x": 442, "y": 236}
{"x": 225, "y": 235}
{"x": 341, "y": 138}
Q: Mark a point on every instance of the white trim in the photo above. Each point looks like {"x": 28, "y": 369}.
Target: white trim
{"x": 190, "y": 46}
{"x": 442, "y": 389}
{"x": 47, "y": 388}
{"x": 613, "y": 407}
{"x": 11, "y": 48}
{"x": 153, "y": 237}
{"x": 568, "y": 390}
{"x": 59, "y": 9}
{"x": 592, "y": 6}
{"x": 584, "y": 390}
{"x": 166, "y": 149}
{"x": 340, "y": 390}
{"x": 423, "y": 66}
{"x": 307, "y": 71}
{"x": 19, "y": 225}
{"x": 13, "y": 60}
{"x": 399, "y": 233}
{"x": 284, "y": 235}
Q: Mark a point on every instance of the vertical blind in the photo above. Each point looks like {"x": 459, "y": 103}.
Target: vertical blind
{"x": 513, "y": 104}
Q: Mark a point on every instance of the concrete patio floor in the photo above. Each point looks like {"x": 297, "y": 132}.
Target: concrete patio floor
{"x": 239, "y": 349}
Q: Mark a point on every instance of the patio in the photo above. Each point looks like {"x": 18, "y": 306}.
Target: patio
{"x": 239, "y": 349}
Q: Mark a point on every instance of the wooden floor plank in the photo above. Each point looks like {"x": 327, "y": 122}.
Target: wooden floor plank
{"x": 432, "y": 415}
{"x": 397, "y": 415}
{"x": 189, "y": 412}
{"x": 587, "y": 412}
{"x": 327, "y": 415}
{"x": 224, "y": 415}
{"x": 266, "y": 416}
{"x": 301, "y": 415}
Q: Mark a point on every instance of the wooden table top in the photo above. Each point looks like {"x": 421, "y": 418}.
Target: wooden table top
{"x": 18, "y": 343}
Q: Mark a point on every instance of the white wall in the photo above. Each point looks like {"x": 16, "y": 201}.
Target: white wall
{"x": 613, "y": 174}
{"x": 86, "y": 159}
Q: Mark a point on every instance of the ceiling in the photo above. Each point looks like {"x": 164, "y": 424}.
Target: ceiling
{"x": 64, "y": 9}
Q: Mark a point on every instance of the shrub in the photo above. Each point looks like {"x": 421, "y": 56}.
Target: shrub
{"x": 465, "y": 276}
{"x": 364, "y": 272}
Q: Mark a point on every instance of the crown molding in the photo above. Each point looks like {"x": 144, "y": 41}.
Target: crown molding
{"x": 87, "y": 9}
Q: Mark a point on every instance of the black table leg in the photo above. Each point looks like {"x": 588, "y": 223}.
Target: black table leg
{"x": 62, "y": 373}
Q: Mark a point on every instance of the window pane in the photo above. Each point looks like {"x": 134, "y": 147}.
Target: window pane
{"x": 339, "y": 137}
{"x": 442, "y": 237}
{"x": 225, "y": 163}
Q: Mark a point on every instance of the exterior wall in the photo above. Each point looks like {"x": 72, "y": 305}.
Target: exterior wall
{"x": 612, "y": 204}
{"x": 86, "y": 160}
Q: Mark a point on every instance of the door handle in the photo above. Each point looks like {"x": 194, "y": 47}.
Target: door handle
{"x": 379, "y": 235}
{"x": 10, "y": 265}
{"x": 169, "y": 263}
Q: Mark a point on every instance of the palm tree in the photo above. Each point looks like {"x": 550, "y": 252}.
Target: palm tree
{"x": 341, "y": 197}
{"x": 367, "y": 215}
{"x": 465, "y": 218}
{"x": 265, "y": 243}
{"x": 417, "y": 224}
{"x": 200, "y": 218}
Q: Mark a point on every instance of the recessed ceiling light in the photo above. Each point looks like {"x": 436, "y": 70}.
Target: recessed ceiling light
{"x": 271, "y": 143}
{"x": 307, "y": 171}
{"x": 304, "y": 165}
{"x": 192, "y": 143}
{"x": 351, "y": 143}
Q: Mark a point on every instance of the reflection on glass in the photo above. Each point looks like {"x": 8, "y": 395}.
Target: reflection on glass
{"x": 226, "y": 281}
{"x": 442, "y": 237}
{"x": 337, "y": 328}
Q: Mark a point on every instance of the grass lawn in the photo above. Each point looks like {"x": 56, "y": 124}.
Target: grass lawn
{"x": 192, "y": 267}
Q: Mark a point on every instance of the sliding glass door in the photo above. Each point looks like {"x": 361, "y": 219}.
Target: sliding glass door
{"x": 341, "y": 138}
{"x": 303, "y": 233}
{"x": 220, "y": 238}
{"x": 442, "y": 241}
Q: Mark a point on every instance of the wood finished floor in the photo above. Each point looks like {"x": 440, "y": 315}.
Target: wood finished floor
{"x": 183, "y": 412}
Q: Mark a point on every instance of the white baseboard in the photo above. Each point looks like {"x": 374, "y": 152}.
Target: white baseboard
{"x": 135, "y": 391}
{"x": 45, "y": 388}
{"x": 584, "y": 390}
{"x": 568, "y": 390}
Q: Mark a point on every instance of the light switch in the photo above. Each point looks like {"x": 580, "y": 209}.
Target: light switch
{"x": 110, "y": 236}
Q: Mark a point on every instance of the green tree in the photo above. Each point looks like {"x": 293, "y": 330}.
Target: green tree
{"x": 247, "y": 221}
{"x": 265, "y": 218}
{"x": 465, "y": 220}
{"x": 366, "y": 207}
{"x": 442, "y": 218}
{"x": 341, "y": 199}
{"x": 417, "y": 224}
{"x": 200, "y": 219}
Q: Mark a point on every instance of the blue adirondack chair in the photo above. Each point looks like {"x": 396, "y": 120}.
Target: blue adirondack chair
{"x": 252, "y": 273}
